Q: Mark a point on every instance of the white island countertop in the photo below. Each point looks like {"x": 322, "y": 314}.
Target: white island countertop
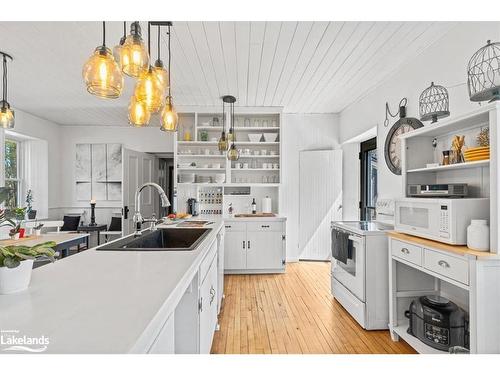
{"x": 103, "y": 301}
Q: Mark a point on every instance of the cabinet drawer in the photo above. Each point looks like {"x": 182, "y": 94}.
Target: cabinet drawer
{"x": 206, "y": 263}
{"x": 406, "y": 251}
{"x": 447, "y": 265}
{"x": 266, "y": 226}
{"x": 233, "y": 226}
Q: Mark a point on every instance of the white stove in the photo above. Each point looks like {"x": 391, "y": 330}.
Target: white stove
{"x": 361, "y": 283}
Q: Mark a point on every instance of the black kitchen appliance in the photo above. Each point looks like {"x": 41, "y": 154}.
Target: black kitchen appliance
{"x": 193, "y": 207}
{"x": 438, "y": 322}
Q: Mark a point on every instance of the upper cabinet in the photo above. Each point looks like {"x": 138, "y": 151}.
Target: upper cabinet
{"x": 427, "y": 156}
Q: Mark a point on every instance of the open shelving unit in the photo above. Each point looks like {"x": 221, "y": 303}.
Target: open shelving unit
{"x": 468, "y": 288}
{"x": 196, "y": 152}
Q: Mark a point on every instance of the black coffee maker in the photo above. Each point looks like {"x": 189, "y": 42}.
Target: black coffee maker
{"x": 193, "y": 207}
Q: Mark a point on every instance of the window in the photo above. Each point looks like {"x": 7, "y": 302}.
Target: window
{"x": 368, "y": 157}
{"x": 12, "y": 173}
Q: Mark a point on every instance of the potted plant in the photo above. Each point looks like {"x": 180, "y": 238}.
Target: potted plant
{"x": 16, "y": 264}
{"x": 29, "y": 205}
{"x": 15, "y": 231}
{"x": 38, "y": 229}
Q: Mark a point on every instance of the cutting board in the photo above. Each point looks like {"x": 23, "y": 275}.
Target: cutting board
{"x": 192, "y": 224}
{"x": 261, "y": 214}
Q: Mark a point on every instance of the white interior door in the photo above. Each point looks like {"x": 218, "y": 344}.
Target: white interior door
{"x": 320, "y": 201}
{"x": 138, "y": 168}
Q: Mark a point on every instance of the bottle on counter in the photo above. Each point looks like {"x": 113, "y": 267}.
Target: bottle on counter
{"x": 254, "y": 206}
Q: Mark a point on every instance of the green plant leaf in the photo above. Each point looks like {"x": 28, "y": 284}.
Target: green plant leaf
{"x": 11, "y": 262}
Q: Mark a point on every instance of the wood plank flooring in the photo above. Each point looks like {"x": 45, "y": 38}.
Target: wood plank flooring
{"x": 292, "y": 313}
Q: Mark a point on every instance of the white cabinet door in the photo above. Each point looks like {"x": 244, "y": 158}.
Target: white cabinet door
{"x": 208, "y": 308}
{"x": 235, "y": 251}
{"x": 264, "y": 250}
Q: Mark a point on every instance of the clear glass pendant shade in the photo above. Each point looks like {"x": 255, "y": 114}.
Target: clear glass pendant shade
{"x": 134, "y": 57}
{"x": 149, "y": 90}
{"x": 102, "y": 75}
{"x": 169, "y": 117}
{"x": 138, "y": 114}
{"x": 223, "y": 142}
{"x": 233, "y": 154}
{"x": 7, "y": 119}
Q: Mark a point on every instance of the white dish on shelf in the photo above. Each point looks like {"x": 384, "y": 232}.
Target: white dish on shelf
{"x": 253, "y": 137}
{"x": 270, "y": 137}
{"x": 220, "y": 178}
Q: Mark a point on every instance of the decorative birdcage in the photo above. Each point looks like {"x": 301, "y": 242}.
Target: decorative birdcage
{"x": 484, "y": 73}
{"x": 434, "y": 103}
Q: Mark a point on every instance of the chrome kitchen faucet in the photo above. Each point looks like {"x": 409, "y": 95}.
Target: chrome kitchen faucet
{"x": 138, "y": 219}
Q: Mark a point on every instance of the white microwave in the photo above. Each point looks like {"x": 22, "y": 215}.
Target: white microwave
{"x": 443, "y": 220}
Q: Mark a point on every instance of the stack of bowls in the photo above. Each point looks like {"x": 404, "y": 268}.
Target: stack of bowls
{"x": 477, "y": 153}
{"x": 186, "y": 178}
{"x": 220, "y": 178}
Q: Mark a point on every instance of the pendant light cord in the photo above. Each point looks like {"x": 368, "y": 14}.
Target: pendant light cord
{"x": 4, "y": 80}
{"x": 169, "y": 55}
{"x": 124, "y": 29}
{"x": 149, "y": 39}
{"x": 159, "y": 53}
{"x": 104, "y": 33}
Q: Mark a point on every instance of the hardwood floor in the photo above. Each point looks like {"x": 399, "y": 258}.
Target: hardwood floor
{"x": 292, "y": 313}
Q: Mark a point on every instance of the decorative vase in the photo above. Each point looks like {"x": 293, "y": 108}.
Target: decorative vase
{"x": 32, "y": 215}
{"x": 478, "y": 235}
{"x": 16, "y": 279}
{"x": 14, "y": 236}
{"x": 38, "y": 232}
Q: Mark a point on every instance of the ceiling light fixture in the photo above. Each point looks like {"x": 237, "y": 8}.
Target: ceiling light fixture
{"x": 135, "y": 58}
{"x": 233, "y": 154}
{"x": 222, "y": 144}
{"x": 169, "y": 117}
{"x": 118, "y": 51}
{"x": 102, "y": 76}
{"x": 149, "y": 88}
{"x": 7, "y": 119}
{"x": 158, "y": 69}
{"x": 138, "y": 114}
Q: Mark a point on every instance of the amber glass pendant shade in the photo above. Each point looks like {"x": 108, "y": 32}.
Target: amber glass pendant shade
{"x": 7, "y": 119}
{"x": 233, "y": 154}
{"x": 223, "y": 142}
{"x": 169, "y": 118}
{"x": 162, "y": 75}
{"x": 138, "y": 114}
{"x": 134, "y": 55}
{"x": 102, "y": 76}
{"x": 149, "y": 90}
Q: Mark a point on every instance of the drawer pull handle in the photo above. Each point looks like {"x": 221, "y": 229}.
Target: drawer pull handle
{"x": 243, "y": 245}
{"x": 404, "y": 250}
{"x": 228, "y": 226}
{"x": 444, "y": 264}
{"x": 265, "y": 226}
{"x": 212, "y": 294}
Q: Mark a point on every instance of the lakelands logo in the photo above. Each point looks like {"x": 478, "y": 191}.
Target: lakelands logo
{"x": 13, "y": 341}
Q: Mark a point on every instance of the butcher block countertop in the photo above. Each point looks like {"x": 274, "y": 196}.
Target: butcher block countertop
{"x": 456, "y": 249}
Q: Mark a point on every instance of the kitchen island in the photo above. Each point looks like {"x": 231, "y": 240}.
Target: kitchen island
{"x": 118, "y": 301}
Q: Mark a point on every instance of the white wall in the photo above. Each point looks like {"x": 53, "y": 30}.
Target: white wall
{"x": 143, "y": 140}
{"x": 445, "y": 63}
{"x": 301, "y": 132}
{"x": 36, "y": 127}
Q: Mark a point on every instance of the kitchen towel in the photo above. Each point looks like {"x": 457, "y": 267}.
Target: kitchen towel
{"x": 340, "y": 245}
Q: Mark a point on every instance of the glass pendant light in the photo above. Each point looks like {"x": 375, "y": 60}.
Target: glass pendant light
{"x": 135, "y": 58}
{"x": 138, "y": 114}
{"x": 159, "y": 70}
{"x": 233, "y": 154}
{"x": 148, "y": 88}
{"x": 169, "y": 118}
{"x": 101, "y": 73}
{"x": 222, "y": 144}
{"x": 7, "y": 119}
{"x": 118, "y": 49}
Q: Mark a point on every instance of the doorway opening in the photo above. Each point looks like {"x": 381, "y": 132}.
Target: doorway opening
{"x": 368, "y": 179}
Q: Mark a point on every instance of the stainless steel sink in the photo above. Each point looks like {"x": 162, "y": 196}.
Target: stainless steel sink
{"x": 175, "y": 239}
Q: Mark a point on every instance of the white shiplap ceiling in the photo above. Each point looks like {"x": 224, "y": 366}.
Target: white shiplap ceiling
{"x": 304, "y": 67}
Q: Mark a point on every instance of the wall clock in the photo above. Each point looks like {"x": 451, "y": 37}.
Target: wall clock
{"x": 404, "y": 125}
